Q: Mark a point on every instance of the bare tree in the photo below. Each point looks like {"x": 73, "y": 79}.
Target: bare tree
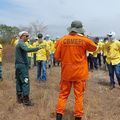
{"x": 34, "y": 28}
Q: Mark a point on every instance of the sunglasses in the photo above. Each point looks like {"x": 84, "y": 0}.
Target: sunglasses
{"x": 109, "y": 35}
{"x": 26, "y": 35}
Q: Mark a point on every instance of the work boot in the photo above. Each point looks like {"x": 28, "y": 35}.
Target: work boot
{"x": 112, "y": 86}
{"x": 26, "y": 101}
{"x": 119, "y": 83}
{"x": 58, "y": 116}
{"x": 49, "y": 66}
{"x": 19, "y": 98}
{"x": 78, "y": 118}
{"x": 1, "y": 79}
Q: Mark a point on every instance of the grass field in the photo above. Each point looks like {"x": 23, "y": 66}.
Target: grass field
{"x": 100, "y": 103}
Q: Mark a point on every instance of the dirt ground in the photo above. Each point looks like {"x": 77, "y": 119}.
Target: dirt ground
{"x": 100, "y": 103}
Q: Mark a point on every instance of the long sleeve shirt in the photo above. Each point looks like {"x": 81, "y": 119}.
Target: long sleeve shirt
{"x": 21, "y": 53}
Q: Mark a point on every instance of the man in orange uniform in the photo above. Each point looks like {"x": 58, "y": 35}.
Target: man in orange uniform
{"x": 71, "y": 52}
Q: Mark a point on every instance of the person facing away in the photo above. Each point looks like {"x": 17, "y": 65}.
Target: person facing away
{"x": 50, "y": 45}
{"x": 21, "y": 66}
{"x": 71, "y": 52}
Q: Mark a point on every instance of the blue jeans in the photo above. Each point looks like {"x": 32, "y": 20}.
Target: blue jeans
{"x": 95, "y": 62}
{"x": 114, "y": 69}
{"x": 41, "y": 70}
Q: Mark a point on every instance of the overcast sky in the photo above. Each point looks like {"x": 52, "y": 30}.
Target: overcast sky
{"x": 98, "y": 16}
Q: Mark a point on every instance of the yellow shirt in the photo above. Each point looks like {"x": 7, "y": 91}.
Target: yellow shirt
{"x": 51, "y": 46}
{"x": 113, "y": 52}
{"x": 43, "y": 53}
{"x": 104, "y": 49}
{"x": 30, "y": 54}
{"x": 100, "y": 44}
{"x": 35, "y": 45}
{"x": 14, "y": 42}
{"x": 1, "y": 48}
{"x": 96, "y": 52}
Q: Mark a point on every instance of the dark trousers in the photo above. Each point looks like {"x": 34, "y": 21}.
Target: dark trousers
{"x": 34, "y": 59}
{"x": 95, "y": 62}
{"x": 104, "y": 59}
{"x": 90, "y": 61}
{"x": 99, "y": 59}
{"x": 29, "y": 62}
{"x": 55, "y": 62}
{"x": 22, "y": 79}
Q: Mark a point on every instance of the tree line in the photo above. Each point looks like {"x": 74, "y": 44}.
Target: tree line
{"x": 8, "y": 32}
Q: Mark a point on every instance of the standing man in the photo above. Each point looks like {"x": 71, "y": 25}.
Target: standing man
{"x": 34, "y": 54}
{"x": 21, "y": 66}
{"x": 71, "y": 52}
{"x": 41, "y": 58}
{"x": 50, "y": 57}
{"x": 100, "y": 44}
{"x": 113, "y": 58}
{"x": 90, "y": 60}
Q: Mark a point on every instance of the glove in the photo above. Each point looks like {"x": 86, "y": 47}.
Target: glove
{"x": 42, "y": 46}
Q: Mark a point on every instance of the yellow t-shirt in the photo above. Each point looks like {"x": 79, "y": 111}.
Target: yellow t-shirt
{"x": 14, "y": 42}
{"x": 95, "y": 53}
{"x": 51, "y": 46}
{"x": 100, "y": 44}
{"x": 43, "y": 53}
{"x": 30, "y": 54}
{"x": 104, "y": 49}
{"x": 35, "y": 45}
{"x": 113, "y": 52}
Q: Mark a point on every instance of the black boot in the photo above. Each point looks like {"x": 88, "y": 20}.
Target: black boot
{"x": 119, "y": 83}
{"x": 19, "y": 98}
{"x": 49, "y": 66}
{"x": 58, "y": 116}
{"x": 78, "y": 118}
{"x": 26, "y": 101}
{"x": 112, "y": 86}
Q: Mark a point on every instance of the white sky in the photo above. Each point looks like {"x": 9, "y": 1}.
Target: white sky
{"x": 98, "y": 16}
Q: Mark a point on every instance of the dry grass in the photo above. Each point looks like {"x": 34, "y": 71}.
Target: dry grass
{"x": 100, "y": 103}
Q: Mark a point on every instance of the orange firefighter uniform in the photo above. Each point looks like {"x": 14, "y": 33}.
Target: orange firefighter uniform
{"x": 71, "y": 52}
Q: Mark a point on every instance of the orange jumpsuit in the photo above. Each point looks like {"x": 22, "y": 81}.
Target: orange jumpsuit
{"x": 71, "y": 52}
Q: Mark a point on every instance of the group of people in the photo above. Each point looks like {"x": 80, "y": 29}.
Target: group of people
{"x": 75, "y": 52}
{"x": 107, "y": 51}
{"x": 43, "y": 58}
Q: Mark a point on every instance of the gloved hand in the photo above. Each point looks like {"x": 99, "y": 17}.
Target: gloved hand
{"x": 41, "y": 47}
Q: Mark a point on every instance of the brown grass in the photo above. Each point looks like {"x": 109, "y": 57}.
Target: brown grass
{"x": 100, "y": 103}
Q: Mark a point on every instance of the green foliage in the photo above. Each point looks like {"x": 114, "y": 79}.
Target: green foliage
{"x": 7, "y": 32}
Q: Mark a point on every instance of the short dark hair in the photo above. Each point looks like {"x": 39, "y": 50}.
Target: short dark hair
{"x": 97, "y": 38}
{"x": 40, "y": 35}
